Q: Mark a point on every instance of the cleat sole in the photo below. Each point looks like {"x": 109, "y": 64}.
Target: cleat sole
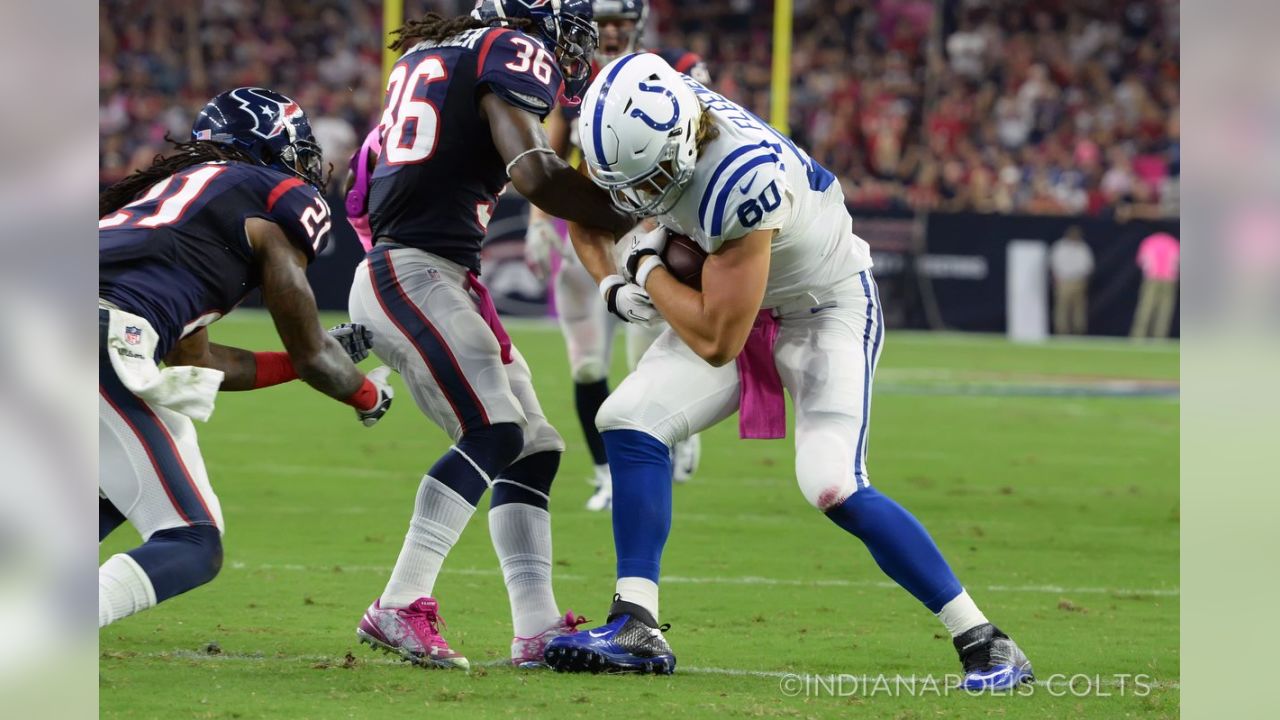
{"x": 580, "y": 661}
{"x": 413, "y": 658}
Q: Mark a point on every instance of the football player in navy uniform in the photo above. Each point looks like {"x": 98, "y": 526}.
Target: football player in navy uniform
{"x": 586, "y": 324}
{"x": 463, "y": 117}
{"x": 180, "y": 244}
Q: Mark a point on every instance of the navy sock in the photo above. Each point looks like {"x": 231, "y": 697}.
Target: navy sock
{"x": 589, "y": 397}
{"x": 641, "y": 468}
{"x": 109, "y": 518}
{"x": 491, "y": 448}
{"x": 180, "y": 559}
{"x": 527, "y": 480}
{"x": 900, "y": 545}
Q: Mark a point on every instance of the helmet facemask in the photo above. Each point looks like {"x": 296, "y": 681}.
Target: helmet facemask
{"x": 575, "y": 49}
{"x": 657, "y": 191}
{"x": 304, "y": 159}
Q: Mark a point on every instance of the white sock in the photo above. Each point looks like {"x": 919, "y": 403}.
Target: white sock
{"x": 439, "y": 515}
{"x": 522, "y": 538}
{"x": 641, "y": 591}
{"x": 123, "y": 589}
{"x": 603, "y": 477}
{"x": 961, "y": 614}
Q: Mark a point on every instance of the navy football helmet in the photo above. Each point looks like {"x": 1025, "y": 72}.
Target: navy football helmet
{"x": 268, "y": 126}
{"x": 564, "y": 27}
{"x": 612, "y": 11}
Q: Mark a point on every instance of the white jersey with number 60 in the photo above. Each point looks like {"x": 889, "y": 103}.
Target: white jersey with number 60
{"x": 751, "y": 177}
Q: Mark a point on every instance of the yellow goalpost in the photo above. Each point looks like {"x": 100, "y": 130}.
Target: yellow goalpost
{"x": 780, "y": 84}
{"x": 392, "y": 18}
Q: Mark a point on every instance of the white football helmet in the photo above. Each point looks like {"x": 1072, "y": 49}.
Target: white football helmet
{"x": 638, "y": 129}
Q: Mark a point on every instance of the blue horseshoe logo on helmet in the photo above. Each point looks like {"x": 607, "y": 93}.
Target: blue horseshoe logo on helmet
{"x": 675, "y": 109}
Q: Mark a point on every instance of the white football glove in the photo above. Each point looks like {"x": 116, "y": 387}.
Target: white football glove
{"x": 643, "y": 244}
{"x": 540, "y": 241}
{"x": 628, "y": 301}
{"x": 378, "y": 376}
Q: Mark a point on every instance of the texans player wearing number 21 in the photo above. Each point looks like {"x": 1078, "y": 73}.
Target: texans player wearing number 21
{"x": 180, "y": 244}
{"x": 787, "y": 301}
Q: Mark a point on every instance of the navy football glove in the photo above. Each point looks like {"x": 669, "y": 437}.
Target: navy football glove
{"x": 354, "y": 338}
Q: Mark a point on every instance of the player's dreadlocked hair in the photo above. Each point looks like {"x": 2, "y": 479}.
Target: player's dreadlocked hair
{"x": 184, "y": 156}
{"x": 437, "y": 28}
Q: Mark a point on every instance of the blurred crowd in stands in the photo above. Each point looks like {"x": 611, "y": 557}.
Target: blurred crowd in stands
{"x": 1058, "y": 107}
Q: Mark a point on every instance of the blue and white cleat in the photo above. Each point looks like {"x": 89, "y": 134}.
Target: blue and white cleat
{"x": 992, "y": 661}
{"x": 629, "y": 642}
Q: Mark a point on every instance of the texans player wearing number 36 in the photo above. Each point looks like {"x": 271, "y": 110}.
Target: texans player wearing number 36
{"x": 787, "y": 301}
{"x": 180, "y": 244}
{"x": 462, "y": 117}
{"x": 587, "y": 323}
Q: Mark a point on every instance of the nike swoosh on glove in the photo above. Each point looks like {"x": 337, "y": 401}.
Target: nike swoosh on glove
{"x": 628, "y": 301}
{"x": 644, "y": 244}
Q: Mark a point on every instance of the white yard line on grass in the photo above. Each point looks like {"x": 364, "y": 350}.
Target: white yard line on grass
{"x": 862, "y": 680}
{"x": 742, "y": 580}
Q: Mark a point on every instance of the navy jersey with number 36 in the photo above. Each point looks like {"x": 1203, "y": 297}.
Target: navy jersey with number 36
{"x": 439, "y": 174}
{"x": 179, "y": 256}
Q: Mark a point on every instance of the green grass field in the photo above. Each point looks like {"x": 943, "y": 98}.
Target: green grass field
{"x": 1059, "y": 513}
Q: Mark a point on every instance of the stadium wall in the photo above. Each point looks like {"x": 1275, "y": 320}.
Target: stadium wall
{"x": 942, "y": 271}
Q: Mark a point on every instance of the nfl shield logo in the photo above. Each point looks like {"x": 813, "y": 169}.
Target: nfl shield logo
{"x": 132, "y": 335}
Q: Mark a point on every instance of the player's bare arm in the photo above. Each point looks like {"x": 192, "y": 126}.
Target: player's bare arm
{"x": 557, "y": 129}
{"x": 318, "y": 359}
{"x": 238, "y": 366}
{"x": 715, "y": 323}
{"x": 542, "y": 177}
{"x": 593, "y": 246}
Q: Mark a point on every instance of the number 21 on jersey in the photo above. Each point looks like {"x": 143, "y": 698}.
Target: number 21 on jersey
{"x": 411, "y": 121}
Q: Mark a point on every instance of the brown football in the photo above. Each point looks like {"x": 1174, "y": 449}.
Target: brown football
{"x": 684, "y": 260}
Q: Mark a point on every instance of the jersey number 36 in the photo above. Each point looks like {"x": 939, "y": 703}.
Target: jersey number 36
{"x": 411, "y": 121}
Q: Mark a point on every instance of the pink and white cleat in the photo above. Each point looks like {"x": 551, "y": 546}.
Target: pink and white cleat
{"x": 527, "y": 652}
{"x": 413, "y": 633}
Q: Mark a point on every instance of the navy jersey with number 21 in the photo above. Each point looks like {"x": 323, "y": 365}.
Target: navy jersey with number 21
{"x": 439, "y": 174}
{"x": 178, "y": 255}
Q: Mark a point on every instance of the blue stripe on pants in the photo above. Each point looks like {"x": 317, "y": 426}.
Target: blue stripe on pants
{"x": 870, "y": 349}
{"x": 427, "y": 340}
{"x": 158, "y": 443}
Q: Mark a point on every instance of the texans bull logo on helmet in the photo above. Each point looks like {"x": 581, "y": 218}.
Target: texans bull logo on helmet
{"x": 271, "y": 116}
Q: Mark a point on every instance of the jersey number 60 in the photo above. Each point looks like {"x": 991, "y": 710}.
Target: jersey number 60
{"x": 751, "y": 212}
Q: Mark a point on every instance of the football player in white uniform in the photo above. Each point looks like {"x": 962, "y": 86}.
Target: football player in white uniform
{"x": 787, "y": 300}
{"x": 587, "y": 325}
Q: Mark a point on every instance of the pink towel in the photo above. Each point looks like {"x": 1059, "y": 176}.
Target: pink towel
{"x": 358, "y": 199}
{"x": 762, "y": 409}
{"x": 1158, "y": 257}
{"x": 490, "y": 315}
